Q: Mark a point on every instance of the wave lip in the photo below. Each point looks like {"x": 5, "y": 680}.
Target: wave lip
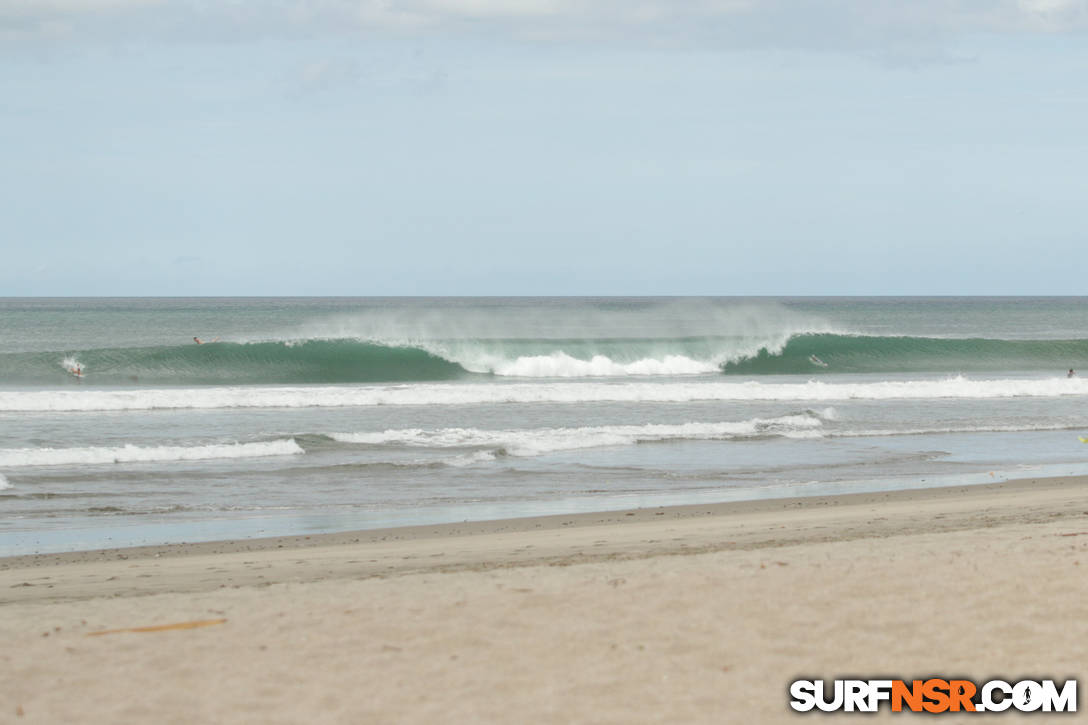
{"x": 534, "y": 442}
{"x": 18, "y": 457}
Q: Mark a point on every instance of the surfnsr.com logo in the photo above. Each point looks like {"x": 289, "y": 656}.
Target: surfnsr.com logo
{"x": 933, "y": 695}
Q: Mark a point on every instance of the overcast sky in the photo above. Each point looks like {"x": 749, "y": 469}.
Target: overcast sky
{"x": 496, "y": 147}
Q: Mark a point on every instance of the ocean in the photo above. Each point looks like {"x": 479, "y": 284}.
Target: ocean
{"x": 306, "y": 415}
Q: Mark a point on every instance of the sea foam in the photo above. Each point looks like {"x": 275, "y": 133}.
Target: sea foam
{"x": 562, "y": 365}
{"x": 14, "y": 457}
{"x": 533, "y": 442}
{"x": 540, "y": 441}
{"x": 540, "y": 392}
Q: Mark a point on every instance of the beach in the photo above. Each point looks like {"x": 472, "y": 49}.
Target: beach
{"x": 700, "y": 613}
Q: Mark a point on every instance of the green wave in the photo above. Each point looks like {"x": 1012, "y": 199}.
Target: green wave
{"x": 831, "y": 353}
{"x": 312, "y": 361}
{"x": 354, "y": 361}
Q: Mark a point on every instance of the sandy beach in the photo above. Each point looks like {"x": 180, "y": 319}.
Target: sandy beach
{"x": 682, "y": 614}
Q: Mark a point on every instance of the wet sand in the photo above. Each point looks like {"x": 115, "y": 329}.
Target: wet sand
{"x": 680, "y": 614}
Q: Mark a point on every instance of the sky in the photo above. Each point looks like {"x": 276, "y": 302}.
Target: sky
{"x": 543, "y": 147}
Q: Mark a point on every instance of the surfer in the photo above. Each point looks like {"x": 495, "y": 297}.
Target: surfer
{"x": 198, "y": 341}
{"x": 1071, "y": 374}
{"x": 816, "y": 361}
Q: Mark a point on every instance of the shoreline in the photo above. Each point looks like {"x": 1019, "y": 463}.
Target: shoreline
{"x": 680, "y": 614}
{"x": 541, "y": 522}
{"x": 551, "y": 540}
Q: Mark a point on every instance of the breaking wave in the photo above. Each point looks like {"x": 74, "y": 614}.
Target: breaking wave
{"x": 533, "y": 442}
{"x": 332, "y": 361}
{"x": 16, "y": 457}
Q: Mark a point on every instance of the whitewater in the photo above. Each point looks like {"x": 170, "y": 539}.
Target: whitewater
{"x": 320, "y": 414}
{"x": 530, "y": 393}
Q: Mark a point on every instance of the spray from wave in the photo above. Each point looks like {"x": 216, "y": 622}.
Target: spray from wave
{"x": 71, "y": 364}
{"x": 560, "y": 338}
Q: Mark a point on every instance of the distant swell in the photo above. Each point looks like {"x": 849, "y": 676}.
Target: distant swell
{"x": 16, "y": 457}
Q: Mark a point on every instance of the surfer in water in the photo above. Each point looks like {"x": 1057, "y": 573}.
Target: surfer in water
{"x": 198, "y": 341}
{"x": 1071, "y": 374}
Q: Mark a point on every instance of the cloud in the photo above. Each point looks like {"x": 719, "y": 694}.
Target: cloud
{"x": 621, "y": 15}
{"x": 27, "y": 22}
{"x": 40, "y": 13}
{"x": 72, "y": 7}
{"x": 1054, "y": 14}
